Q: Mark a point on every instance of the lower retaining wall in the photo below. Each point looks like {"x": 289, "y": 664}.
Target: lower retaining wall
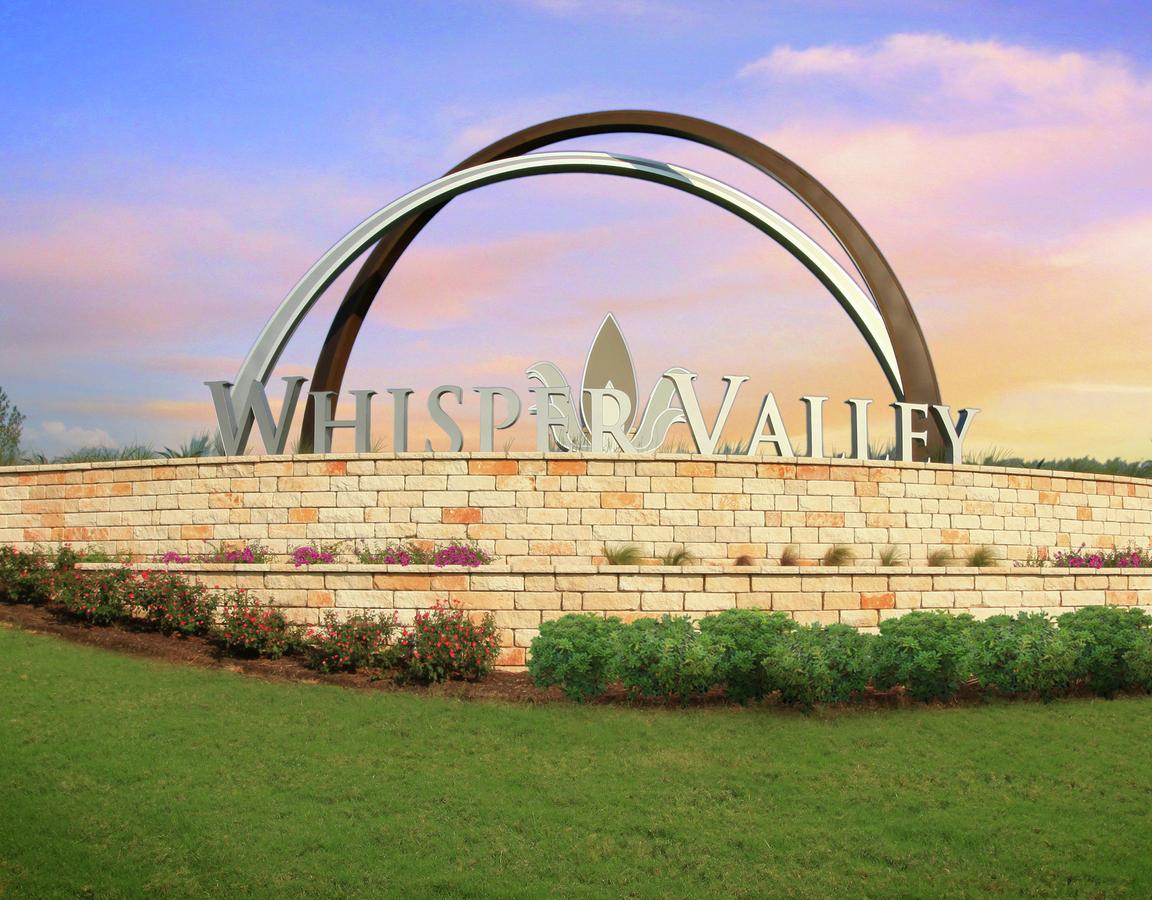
{"x": 521, "y": 597}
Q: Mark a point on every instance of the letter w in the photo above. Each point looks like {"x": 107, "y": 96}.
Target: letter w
{"x": 234, "y": 432}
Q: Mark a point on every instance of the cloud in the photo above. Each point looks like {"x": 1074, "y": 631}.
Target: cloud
{"x": 1029, "y": 82}
{"x": 70, "y": 437}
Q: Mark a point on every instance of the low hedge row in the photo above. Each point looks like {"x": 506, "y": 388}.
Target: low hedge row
{"x": 753, "y": 654}
{"x": 442, "y": 643}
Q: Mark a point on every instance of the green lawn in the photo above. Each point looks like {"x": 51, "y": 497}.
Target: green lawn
{"x": 124, "y": 777}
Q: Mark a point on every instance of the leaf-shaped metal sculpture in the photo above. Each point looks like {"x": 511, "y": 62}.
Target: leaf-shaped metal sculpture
{"x": 609, "y": 365}
{"x": 659, "y": 415}
{"x": 569, "y": 437}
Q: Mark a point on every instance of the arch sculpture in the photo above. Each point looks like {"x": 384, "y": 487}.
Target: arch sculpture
{"x": 918, "y": 382}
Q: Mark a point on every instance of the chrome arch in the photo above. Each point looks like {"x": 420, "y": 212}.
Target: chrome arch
{"x": 274, "y": 337}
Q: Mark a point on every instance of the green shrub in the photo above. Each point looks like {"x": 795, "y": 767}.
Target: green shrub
{"x": 172, "y": 603}
{"x": 1138, "y": 659}
{"x": 814, "y": 664}
{"x": 742, "y": 638}
{"x": 1023, "y": 654}
{"x": 927, "y": 652}
{"x": 358, "y": 642}
{"x": 577, "y": 652}
{"x": 248, "y": 628}
{"x": 666, "y": 657}
{"x": 444, "y": 644}
{"x": 1108, "y": 635}
{"x": 98, "y": 598}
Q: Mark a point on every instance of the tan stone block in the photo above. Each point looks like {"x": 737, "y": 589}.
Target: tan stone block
{"x": 484, "y": 599}
{"x": 860, "y": 618}
{"x": 303, "y": 515}
{"x": 537, "y": 600}
{"x": 794, "y": 600}
{"x": 402, "y": 581}
{"x": 667, "y": 601}
{"x": 816, "y": 616}
{"x": 621, "y": 500}
{"x": 709, "y": 601}
{"x": 586, "y": 583}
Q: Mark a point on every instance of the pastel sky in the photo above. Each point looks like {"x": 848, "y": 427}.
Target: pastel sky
{"x": 169, "y": 170}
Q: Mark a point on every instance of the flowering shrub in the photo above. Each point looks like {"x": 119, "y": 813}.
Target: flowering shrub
{"x": 457, "y": 554}
{"x": 444, "y": 643}
{"x": 27, "y": 576}
{"x": 173, "y": 557}
{"x": 309, "y": 555}
{"x": 98, "y": 598}
{"x": 397, "y": 555}
{"x": 358, "y": 642}
{"x": 249, "y": 553}
{"x": 460, "y": 555}
{"x": 173, "y": 603}
{"x": 1129, "y": 558}
{"x": 247, "y": 628}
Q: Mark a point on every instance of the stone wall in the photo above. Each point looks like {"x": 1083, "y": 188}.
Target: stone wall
{"x": 522, "y": 596}
{"x": 565, "y": 508}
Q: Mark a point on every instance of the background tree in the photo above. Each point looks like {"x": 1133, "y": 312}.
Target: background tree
{"x": 11, "y": 427}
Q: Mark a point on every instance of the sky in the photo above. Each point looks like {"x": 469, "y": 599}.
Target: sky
{"x": 169, "y": 170}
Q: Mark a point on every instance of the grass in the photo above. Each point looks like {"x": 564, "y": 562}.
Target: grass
{"x": 837, "y": 555}
{"x": 677, "y": 556}
{"x": 126, "y": 777}
{"x": 622, "y": 555}
{"x": 981, "y": 556}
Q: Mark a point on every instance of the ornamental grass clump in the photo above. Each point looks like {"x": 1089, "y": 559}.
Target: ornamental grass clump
{"x": 1024, "y": 654}
{"x": 445, "y": 644}
{"x": 666, "y": 658}
{"x": 578, "y": 652}
{"x": 247, "y": 628}
{"x": 172, "y": 603}
{"x": 814, "y": 664}
{"x": 345, "y": 645}
{"x": 926, "y": 652}
{"x": 742, "y": 638}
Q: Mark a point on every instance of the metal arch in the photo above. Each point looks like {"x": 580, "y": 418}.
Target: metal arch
{"x": 274, "y": 337}
{"x": 915, "y": 361}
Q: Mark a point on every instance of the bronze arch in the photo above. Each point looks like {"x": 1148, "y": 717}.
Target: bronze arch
{"x": 919, "y": 375}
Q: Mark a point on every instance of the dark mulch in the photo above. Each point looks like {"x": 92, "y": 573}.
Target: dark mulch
{"x": 197, "y": 651}
{"x": 514, "y": 687}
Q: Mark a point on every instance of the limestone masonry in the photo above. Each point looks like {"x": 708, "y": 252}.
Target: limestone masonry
{"x": 547, "y": 519}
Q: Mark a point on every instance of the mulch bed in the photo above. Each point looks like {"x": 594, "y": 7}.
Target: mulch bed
{"x": 201, "y": 652}
{"x": 513, "y": 687}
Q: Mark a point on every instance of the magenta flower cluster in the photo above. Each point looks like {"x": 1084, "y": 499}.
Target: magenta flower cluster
{"x": 173, "y": 557}
{"x": 307, "y": 556}
{"x": 459, "y": 555}
{"x": 1103, "y": 559}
